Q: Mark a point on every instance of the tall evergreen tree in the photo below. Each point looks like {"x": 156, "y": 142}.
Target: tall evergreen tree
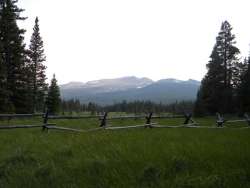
{"x": 37, "y": 68}
{"x": 13, "y": 56}
{"x": 4, "y": 98}
{"x": 53, "y": 99}
{"x": 218, "y": 87}
{"x": 3, "y": 90}
{"x": 244, "y": 89}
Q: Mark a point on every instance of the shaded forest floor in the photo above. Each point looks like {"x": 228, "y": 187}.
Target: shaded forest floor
{"x": 125, "y": 158}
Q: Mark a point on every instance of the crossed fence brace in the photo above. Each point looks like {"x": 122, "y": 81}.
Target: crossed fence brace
{"x": 221, "y": 121}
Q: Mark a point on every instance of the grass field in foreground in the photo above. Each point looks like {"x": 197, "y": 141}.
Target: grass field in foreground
{"x": 125, "y": 158}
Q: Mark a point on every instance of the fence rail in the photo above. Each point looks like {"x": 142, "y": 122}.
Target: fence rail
{"x": 21, "y": 115}
{"x": 74, "y": 117}
{"x": 23, "y": 126}
{"x": 188, "y": 122}
{"x": 86, "y": 116}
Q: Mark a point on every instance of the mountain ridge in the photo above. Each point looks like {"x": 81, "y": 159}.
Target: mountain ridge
{"x": 109, "y": 91}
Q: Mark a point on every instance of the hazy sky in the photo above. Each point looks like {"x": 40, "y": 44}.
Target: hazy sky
{"x": 93, "y": 39}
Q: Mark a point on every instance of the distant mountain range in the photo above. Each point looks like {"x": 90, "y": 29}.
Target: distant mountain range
{"x": 109, "y": 91}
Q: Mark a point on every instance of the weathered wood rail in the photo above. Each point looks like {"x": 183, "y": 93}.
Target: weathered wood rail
{"x": 74, "y": 117}
{"x": 9, "y": 117}
{"x": 12, "y": 116}
{"x": 24, "y": 126}
{"x": 188, "y": 122}
{"x": 20, "y": 115}
{"x": 115, "y": 117}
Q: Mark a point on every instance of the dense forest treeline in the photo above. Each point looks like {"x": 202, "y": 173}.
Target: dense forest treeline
{"x": 135, "y": 107}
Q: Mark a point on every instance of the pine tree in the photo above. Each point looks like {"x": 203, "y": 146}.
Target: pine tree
{"x": 244, "y": 89}
{"x": 53, "y": 99}
{"x": 218, "y": 87}
{"x": 3, "y": 90}
{"x": 4, "y": 97}
{"x": 37, "y": 68}
{"x": 13, "y": 57}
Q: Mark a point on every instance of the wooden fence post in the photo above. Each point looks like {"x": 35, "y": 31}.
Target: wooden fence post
{"x": 104, "y": 120}
{"x": 220, "y": 120}
{"x": 45, "y": 120}
{"x": 188, "y": 119}
{"x": 148, "y": 120}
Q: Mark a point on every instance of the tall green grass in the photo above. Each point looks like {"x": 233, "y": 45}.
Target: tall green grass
{"x": 125, "y": 158}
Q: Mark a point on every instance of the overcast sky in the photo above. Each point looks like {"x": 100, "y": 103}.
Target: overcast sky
{"x": 93, "y": 39}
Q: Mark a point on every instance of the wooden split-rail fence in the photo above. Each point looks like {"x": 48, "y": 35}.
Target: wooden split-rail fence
{"x": 188, "y": 122}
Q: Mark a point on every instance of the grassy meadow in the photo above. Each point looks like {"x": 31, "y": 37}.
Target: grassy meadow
{"x": 139, "y": 157}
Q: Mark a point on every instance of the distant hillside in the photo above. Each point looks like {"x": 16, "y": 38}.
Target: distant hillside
{"x": 109, "y": 91}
